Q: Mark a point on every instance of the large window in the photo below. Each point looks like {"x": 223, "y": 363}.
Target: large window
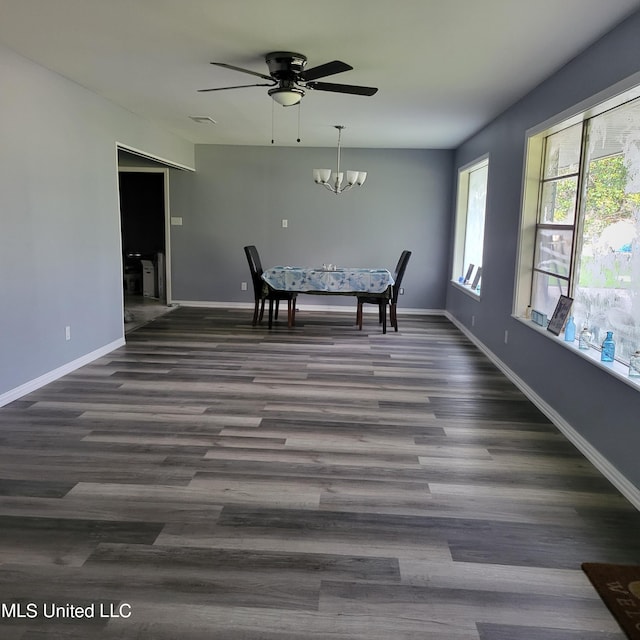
{"x": 470, "y": 214}
{"x": 585, "y": 242}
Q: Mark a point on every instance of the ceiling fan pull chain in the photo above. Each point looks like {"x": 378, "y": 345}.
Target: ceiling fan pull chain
{"x": 272, "y": 120}
{"x": 299, "y": 109}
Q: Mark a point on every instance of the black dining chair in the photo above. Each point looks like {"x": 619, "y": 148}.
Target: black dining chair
{"x": 382, "y": 299}
{"x": 263, "y": 292}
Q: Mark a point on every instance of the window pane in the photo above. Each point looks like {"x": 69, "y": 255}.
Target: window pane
{"x": 474, "y": 235}
{"x": 546, "y": 291}
{"x": 607, "y": 289}
{"x": 558, "y": 201}
{"x": 562, "y": 152}
{"x": 553, "y": 250}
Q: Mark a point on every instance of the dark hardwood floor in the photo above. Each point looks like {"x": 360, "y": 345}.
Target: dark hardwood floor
{"x": 215, "y": 480}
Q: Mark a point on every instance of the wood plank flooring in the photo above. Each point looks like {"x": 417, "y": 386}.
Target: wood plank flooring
{"x": 215, "y": 480}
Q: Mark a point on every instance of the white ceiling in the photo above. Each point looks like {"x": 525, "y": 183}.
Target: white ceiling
{"x": 443, "y": 67}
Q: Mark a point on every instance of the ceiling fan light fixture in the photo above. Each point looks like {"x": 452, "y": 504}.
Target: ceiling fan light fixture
{"x": 289, "y": 78}
{"x": 288, "y": 96}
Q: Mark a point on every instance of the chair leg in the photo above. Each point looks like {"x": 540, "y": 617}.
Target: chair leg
{"x": 291, "y": 308}
{"x": 359, "y": 316}
{"x": 277, "y": 308}
{"x": 383, "y": 315}
{"x": 256, "y": 311}
{"x": 270, "y": 313}
{"x": 261, "y": 310}
{"x": 393, "y": 316}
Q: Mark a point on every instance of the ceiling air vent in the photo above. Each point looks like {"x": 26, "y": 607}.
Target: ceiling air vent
{"x": 203, "y": 119}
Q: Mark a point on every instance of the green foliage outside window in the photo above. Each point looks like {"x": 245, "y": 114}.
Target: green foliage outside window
{"x": 606, "y": 200}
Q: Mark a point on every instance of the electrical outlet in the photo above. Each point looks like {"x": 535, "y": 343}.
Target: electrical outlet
{"x": 285, "y": 223}
{"x": 243, "y": 286}
{"x": 506, "y": 336}
{"x": 401, "y": 292}
{"x": 67, "y": 333}
{"x": 473, "y": 321}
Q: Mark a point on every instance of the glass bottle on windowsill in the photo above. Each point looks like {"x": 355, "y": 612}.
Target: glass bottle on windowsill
{"x": 608, "y": 348}
{"x": 584, "y": 341}
{"x": 570, "y": 330}
{"x": 634, "y": 365}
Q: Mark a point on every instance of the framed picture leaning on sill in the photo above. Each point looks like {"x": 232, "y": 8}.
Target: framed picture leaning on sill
{"x": 560, "y": 315}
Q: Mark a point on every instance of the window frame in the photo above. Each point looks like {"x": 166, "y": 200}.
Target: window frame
{"x": 459, "y": 268}
{"x": 532, "y": 178}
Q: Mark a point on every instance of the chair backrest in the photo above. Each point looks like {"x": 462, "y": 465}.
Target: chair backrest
{"x": 255, "y": 266}
{"x": 399, "y": 274}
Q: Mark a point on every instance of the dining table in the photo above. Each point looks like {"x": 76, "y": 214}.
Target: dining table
{"x": 330, "y": 280}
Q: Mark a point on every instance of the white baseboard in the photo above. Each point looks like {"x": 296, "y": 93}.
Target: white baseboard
{"x": 41, "y": 381}
{"x": 626, "y": 488}
{"x": 212, "y": 305}
{"x": 306, "y": 307}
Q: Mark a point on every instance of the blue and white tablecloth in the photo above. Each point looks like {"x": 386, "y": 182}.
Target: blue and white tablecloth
{"x": 339, "y": 281}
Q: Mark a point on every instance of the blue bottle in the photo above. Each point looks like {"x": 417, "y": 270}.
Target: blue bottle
{"x": 570, "y": 330}
{"x": 608, "y": 348}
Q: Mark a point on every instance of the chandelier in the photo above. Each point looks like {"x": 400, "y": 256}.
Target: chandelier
{"x": 333, "y": 180}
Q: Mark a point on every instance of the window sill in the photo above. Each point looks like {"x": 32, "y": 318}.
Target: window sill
{"x": 616, "y": 369}
{"x": 466, "y": 288}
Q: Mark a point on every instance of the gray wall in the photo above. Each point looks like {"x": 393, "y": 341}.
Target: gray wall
{"x": 239, "y": 196}
{"x": 60, "y": 257}
{"x": 601, "y": 409}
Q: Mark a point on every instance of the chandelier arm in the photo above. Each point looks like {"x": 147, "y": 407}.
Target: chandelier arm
{"x": 339, "y": 190}
{"x": 334, "y": 181}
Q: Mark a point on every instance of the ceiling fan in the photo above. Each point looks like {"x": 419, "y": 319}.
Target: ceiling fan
{"x": 289, "y": 79}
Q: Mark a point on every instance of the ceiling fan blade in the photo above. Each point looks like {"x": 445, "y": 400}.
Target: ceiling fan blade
{"x": 324, "y": 70}
{"x": 240, "y": 86}
{"x": 342, "y": 88}
{"x": 233, "y": 68}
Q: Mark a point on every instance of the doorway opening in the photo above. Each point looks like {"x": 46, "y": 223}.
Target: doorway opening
{"x": 145, "y": 243}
